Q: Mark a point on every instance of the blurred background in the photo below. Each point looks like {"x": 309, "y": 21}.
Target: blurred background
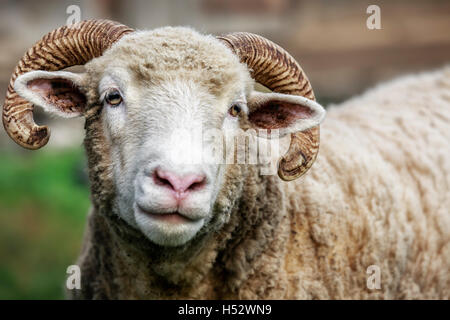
{"x": 44, "y": 195}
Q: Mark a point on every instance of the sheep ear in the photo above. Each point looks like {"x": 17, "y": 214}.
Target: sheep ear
{"x": 287, "y": 113}
{"x": 56, "y": 92}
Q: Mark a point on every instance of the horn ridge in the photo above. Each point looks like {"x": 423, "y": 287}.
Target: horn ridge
{"x": 61, "y": 48}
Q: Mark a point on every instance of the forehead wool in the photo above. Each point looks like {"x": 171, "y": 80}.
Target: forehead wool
{"x": 176, "y": 52}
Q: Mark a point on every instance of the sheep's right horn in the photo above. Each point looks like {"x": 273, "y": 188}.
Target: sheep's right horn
{"x": 274, "y": 68}
{"x": 64, "y": 47}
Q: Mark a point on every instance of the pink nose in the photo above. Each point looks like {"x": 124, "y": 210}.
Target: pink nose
{"x": 190, "y": 182}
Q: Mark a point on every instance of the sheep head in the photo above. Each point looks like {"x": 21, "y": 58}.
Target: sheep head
{"x": 139, "y": 91}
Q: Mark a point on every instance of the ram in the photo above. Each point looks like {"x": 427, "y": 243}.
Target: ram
{"x": 370, "y": 219}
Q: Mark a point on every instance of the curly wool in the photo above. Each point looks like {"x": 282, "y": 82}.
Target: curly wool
{"x": 378, "y": 194}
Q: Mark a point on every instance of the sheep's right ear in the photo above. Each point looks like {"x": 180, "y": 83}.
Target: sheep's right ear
{"x": 56, "y": 92}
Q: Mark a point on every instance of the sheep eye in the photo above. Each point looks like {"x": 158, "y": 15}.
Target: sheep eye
{"x": 234, "y": 110}
{"x": 113, "y": 98}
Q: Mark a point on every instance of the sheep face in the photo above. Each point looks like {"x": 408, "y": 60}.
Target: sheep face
{"x": 159, "y": 138}
{"x": 158, "y": 105}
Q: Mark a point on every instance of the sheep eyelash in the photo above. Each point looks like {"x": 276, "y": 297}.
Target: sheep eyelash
{"x": 102, "y": 98}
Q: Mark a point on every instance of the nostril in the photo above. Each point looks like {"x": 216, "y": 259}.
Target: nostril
{"x": 198, "y": 183}
{"x": 161, "y": 179}
{"x": 190, "y": 182}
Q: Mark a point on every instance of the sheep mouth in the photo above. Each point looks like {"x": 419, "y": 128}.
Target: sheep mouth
{"x": 169, "y": 217}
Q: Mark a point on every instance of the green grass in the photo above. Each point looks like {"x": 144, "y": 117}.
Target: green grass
{"x": 44, "y": 200}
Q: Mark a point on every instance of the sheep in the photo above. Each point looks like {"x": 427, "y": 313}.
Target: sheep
{"x": 377, "y": 197}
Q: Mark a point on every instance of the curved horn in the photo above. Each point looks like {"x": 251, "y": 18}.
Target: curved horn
{"x": 276, "y": 69}
{"x": 64, "y": 47}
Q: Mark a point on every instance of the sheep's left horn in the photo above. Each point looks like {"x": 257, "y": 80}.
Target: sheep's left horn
{"x": 274, "y": 68}
{"x": 64, "y": 47}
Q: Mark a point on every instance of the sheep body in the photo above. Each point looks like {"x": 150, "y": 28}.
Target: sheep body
{"x": 378, "y": 194}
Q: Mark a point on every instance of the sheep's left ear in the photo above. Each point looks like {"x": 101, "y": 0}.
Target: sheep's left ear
{"x": 287, "y": 113}
{"x": 56, "y": 92}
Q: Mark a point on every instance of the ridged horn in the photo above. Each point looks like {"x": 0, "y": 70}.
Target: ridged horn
{"x": 273, "y": 67}
{"x": 64, "y": 47}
